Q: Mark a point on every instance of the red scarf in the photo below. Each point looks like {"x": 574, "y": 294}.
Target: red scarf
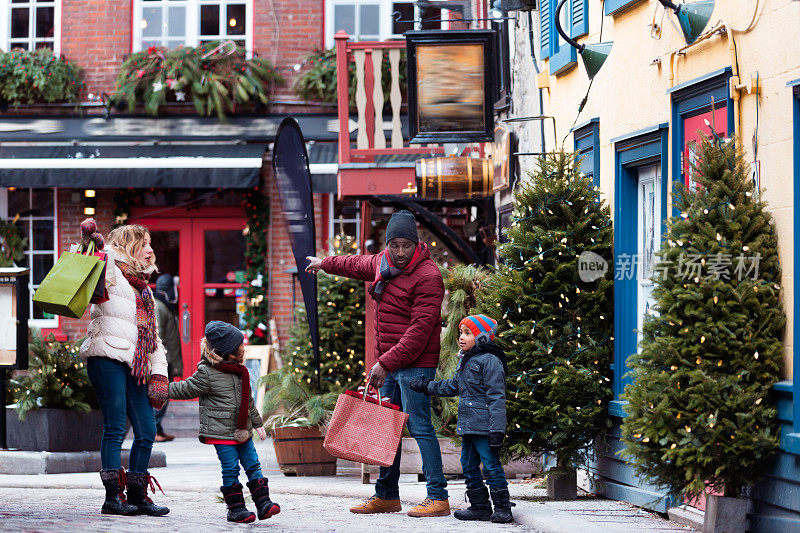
{"x": 387, "y": 271}
{"x": 147, "y": 338}
{"x": 244, "y": 404}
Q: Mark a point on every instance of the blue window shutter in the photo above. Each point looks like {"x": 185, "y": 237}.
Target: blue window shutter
{"x": 580, "y": 18}
{"x": 612, "y": 7}
{"x": 544, "y": 26}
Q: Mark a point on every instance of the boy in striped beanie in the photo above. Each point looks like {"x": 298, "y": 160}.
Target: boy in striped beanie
{"x": 480, "y": 384}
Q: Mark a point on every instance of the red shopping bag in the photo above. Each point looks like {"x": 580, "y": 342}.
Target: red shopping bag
{"x": 363, "y": 431}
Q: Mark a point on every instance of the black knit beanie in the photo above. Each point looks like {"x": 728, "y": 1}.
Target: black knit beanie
{"x": 223, "y": 338}
{"x": 402, "y": 226}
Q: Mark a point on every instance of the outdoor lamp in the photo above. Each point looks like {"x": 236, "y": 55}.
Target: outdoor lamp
{"x": 593, "y": 55}
{"x": 692, "y": 17}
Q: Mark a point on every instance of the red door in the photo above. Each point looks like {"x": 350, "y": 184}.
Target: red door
{"x": 207, "y": 254}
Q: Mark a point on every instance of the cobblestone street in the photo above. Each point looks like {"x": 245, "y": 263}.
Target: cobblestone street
{"x": 61, "y": 510}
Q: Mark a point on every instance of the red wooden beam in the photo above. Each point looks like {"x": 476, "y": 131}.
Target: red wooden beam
{"x": 374, "y": 180}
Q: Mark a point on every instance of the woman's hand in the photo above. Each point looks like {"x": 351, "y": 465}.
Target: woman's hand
{"x": 314, "y": 264}
{"x": 158, "y": 391}
{"x": 261, "y": 433}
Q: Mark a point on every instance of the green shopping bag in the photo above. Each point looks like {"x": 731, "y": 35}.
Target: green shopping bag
{"x": 69, "y": 285}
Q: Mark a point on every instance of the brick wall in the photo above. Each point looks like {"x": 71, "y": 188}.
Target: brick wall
{"x": 96, "y": 34}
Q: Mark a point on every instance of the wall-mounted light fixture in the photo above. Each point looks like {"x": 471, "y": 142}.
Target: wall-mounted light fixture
{"x": 90, "y": 202}
{"x": 692, "y": 17}
{"x": 593, "y": 55}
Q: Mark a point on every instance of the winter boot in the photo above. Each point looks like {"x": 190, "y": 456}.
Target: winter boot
{"x": 502, "y": 507}
{"x": 114, "y": 482}
{"x": 259, "y": 489}
{"x": 137, "y": 493}
{"x": 234, "y": 499}
{"x": 479, "y": 509}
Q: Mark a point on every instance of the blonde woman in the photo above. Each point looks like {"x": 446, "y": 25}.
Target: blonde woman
{"x": 127, "y": 366}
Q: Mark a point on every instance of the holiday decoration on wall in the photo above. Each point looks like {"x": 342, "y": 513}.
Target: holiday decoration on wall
{"x": 554, "y": 322}
{"x": 256, "y": 318}
{"x": 56, "y": 378}
{"x": 340, "y": 304}
{"x": 36, "y": 77}
{"x": 699, "y": 416}
{"x": 12, "y": 244}
{"x": 215, "y": 76}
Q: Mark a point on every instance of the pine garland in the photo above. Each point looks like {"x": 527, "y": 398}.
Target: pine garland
{"x": 56, "y": 378}
{"x": 256, "y": 207}
{"x": 37, "y": 76}
{"x": 699, "y": 416}
{"x": 215, "y": 81}
{"x": 556, "y": 328}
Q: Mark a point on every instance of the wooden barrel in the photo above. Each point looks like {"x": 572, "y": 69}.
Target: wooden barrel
{"x": 454, "y": 177}
{"x": 299, "y": 452}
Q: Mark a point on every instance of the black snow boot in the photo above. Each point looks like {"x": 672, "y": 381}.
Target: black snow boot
{"x": 137, "y": 493}
{"x": 502, "y": 507}
{"x": 479, "y": 509}
{"x": 259, "y": 489}
{"x": 234, "y": 499}
{"x": 114, "y": 482}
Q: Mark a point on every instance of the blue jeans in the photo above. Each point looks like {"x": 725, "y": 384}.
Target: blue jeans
{"x": 474, "y": 451}
{"x": 119, "y": 396}
{"x": 418, "y": 407}
{"x": 230, "y": 455}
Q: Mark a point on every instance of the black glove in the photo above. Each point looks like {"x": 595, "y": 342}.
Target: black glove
{"x": 420, "y": 385}
{"x": 496, "y": 441}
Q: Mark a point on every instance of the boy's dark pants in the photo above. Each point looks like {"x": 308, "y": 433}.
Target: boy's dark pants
{"x": 474, "y": 451}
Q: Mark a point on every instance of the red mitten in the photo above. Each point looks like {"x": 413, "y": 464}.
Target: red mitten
{"x": 158, "y": 391}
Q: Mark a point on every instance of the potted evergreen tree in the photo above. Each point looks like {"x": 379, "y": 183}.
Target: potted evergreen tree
{"x": 699, "y": 416}
{"x": 555, "y": 324}
{"x": 55, "y": 406}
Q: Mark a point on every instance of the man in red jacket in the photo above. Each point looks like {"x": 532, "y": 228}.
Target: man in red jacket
{"x": 408, "y": 290}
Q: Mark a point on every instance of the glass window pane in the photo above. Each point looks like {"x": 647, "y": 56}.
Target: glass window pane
{"x": 431, "y": 18}
{"x": 220, "y": 306}
{"x": 44, "y": 44}
{"x": 344, "y": 18}
{"x": 18, "y": 201}
{"x": 224, "y": 255}
{"x": 44, "y": 21}
{"x": 165, "y": 245}
{"x": 236, "y": 19}
{"x": 370, "y": 23}
{"x": 43, "y": 202}
{"x": 42, "y": 263}
{"x": 177, "y": 22}
{"x": 20, "y": 46}
{"x": 151, "y": 22}
{"x": 209, "y": 20}
{"x": 405, "y": 12}
{"x": 43, "y": 235}
{"x": 19, "y": 22}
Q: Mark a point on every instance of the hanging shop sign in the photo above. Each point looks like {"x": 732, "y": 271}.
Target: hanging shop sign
{"x": 451, "y": 85}
{"x": 500, "y": 154}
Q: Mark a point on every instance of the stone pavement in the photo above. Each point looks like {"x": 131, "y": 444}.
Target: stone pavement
{"x": 71, "y": 502}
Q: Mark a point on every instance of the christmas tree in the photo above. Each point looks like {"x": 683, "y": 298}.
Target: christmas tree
{"x": 461, "y": 284}
{"x": 56, "y": 378}
{"x": 256, "y": 318}
{"x": 699, "y": 418}
{"x": 341, "y": 317}
{"x": 554, "y": 322}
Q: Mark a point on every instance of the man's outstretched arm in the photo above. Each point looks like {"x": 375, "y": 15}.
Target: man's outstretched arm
{"x": 361, "y": 267}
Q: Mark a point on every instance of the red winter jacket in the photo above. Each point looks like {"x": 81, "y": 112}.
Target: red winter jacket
{"x": 408, "y": 319}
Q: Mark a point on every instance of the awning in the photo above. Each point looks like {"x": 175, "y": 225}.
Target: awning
{"x": 204, "y": 166}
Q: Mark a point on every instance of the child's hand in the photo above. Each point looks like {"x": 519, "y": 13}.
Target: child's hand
{"x": 261, "y": 433}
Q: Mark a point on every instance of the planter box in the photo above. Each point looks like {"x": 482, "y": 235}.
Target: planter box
{"x": 54, "y": 430}
{"x": 725, "y": 515}
{"x": 411, "y": 460}
{"x": 562, "y": 484}
{"x": 299, "y": 452}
